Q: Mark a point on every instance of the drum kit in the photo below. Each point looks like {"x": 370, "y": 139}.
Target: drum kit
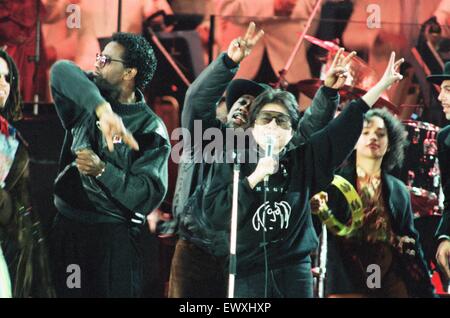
{"x": 421, "y": 169}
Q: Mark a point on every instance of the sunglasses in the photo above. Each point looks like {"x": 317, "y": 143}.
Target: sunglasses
{"x": 266, "y": 117}
{"x": 104, "y": 60}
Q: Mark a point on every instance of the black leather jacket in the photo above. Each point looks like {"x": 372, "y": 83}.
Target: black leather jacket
{"x": 134, "y": 182}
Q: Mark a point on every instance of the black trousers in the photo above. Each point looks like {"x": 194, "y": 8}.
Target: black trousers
{"x": 95, "y": 260}
{"x": 291, "y": 281}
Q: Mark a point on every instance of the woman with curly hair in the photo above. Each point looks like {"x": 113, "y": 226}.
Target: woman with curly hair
{"x": 21, "y": 243}
{"x": 383, "y": 240}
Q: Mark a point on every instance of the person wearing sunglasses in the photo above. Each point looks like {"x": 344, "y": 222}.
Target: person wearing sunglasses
{"x": 275, "y": 234}
{"x": 107, "y": 182}
{"x": 198, "y": 266}
{"x": 21, "y": 241}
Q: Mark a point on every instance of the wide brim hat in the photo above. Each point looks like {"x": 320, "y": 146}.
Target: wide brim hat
{"x": 439, "y": 78}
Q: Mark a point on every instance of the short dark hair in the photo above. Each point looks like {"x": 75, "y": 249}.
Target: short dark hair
{"x": 396, "y": 138}
{"x": 138, "y": 54}
{"x": 279, "y": 97}
{"x": 13, "y": 107}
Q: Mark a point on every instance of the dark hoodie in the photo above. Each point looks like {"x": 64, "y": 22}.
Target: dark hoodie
{"x": 304, "y": 170}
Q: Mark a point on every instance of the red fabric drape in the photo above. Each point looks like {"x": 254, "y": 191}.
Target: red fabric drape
{"x": 18, "y": 33}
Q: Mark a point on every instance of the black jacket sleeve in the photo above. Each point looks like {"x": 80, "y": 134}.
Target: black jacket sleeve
{"x": 330, "y": 147}
{"x": 15, "y": 193}
{"x": 205, "y": 92}
{"x": 319, "y": 114}
{"x": 74, "y": 94}
{"x": 200, "y": 104}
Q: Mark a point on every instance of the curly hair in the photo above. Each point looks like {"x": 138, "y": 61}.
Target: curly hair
{"x": 396, "y": 138}
{"x": 13, "y": 107}
{"x": 275, "y": 96}
{"x": 138, "y": 54}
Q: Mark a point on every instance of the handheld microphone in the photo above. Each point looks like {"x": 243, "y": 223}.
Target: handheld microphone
{"x": 270, "y": 141}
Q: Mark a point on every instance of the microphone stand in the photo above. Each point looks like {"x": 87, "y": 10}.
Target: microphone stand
{"x": 268, "y": 153}
{"x": 322, "y": 262}
{"x": 36, "y": 58}
{"x": 119, "y": 17}
{"x": 233, "y": 232}
{"x": 212, "y": 30}
{"x": 167, "y": 56}
{"x": 282, "y": 82}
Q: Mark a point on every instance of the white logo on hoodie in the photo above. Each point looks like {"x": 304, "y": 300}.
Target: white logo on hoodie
{"x": 275, "y": 216}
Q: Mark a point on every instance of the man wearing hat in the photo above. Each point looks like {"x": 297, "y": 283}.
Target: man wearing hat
{"x": 198, "y": 268}
{"x": 443, "y": 140}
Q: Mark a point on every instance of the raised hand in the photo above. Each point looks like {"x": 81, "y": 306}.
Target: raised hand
{"x": 241, "y": 47}
{"x": 338, "y": 71}
{"x": 391, "y": 74}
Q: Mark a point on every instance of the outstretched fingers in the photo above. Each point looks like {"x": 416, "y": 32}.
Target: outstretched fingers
{"x": 398, "y": 64}
{"x": 337, "y": 58}
{"x": 250, "y": 31}
{"x": 391, "y": 60}
{"x": 257, "y": 37}
{"x": 348, "y": 58}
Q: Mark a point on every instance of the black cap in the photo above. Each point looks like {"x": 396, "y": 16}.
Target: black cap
{"x": 439, "y": 78}
{"x": 240, "y": 87}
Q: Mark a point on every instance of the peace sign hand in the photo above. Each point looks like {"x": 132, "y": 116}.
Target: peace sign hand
{"x": 241, "y": 47}
{"x": 338, "y": 72}
{"x": 391, "y": 74}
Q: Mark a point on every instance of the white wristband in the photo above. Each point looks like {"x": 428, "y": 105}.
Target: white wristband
{"x": 444, "y": 237}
